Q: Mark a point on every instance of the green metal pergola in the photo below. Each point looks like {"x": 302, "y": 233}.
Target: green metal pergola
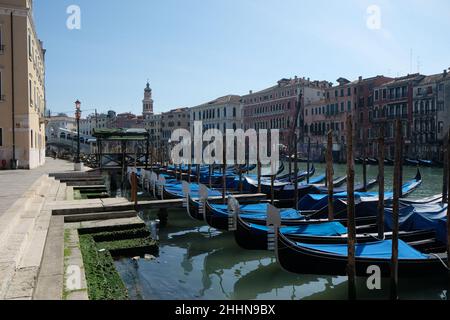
{"x": 123, "y": 136}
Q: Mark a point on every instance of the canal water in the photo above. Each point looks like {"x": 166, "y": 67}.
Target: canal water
{"x": 197, "y": 262}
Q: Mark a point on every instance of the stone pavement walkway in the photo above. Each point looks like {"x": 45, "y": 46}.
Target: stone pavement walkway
{"x": 13, "y": 184}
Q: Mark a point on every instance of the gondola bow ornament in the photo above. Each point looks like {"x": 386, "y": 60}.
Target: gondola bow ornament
{"x": 273, "y": 224}
{"x": 233, "y": 210}
{"x": 203, "y": 194}
{"x": 153, "y": 180}
{"x": 186, "y": 190}
{"x": 161, "y": 184}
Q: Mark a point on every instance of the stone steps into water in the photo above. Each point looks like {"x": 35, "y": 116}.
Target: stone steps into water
{"x": 23, "y": 239}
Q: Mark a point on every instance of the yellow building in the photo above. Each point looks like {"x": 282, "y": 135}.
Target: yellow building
{"x": 22, "y": 88}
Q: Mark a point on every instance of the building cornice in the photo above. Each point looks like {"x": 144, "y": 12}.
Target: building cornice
{"x": 20, "y": 12}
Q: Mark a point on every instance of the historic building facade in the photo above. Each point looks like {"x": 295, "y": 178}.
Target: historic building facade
{"x": 22, "y": 87}
{"x": 276, "y": 107}
{"x": 431, "y": 115}
{"x": 153, "y": 126}
{"x": 330, "y": 113}
{"x": 172, "y": 120}
{"x": 222, "y": 113}
{"x": 391, "y": 101}
{"x": 97, "y": 121}
{"x": 129, "y": 120}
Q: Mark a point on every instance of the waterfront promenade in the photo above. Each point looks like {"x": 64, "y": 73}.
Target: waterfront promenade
{"x": 25, "y": 214}
{"x": 13, "y": 184}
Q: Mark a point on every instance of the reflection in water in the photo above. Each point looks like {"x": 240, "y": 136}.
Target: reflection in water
{"x": 197, "y": 262}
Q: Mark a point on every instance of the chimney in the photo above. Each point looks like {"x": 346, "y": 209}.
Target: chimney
{"x": 360, "y": 78}
{"x": 250, "y": 92}
{"x": 445, "y": 73}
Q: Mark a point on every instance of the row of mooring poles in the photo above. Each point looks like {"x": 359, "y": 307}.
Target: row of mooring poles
{"x": 351, "y": 268}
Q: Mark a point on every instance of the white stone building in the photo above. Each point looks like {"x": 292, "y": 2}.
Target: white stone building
{"x": 221, "y": 113}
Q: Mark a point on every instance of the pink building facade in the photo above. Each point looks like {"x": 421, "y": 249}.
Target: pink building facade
{"x": 276, "y": 107}
{"x": 330, "y": 113}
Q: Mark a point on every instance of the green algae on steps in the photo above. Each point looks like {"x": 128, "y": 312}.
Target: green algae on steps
{"x": 103, "y": 280}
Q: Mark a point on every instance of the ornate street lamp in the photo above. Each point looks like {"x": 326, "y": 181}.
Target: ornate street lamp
{"x": 77, "y": 117}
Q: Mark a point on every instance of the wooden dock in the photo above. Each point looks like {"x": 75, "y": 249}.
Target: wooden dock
{"x": 123, "y": 205}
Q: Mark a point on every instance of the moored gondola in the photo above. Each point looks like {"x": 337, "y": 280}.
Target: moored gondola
{"x": 358, "y": 188}
{"x": 411, "y": 162}
{"x": 218, "y": 215}
{"x": 316, "y": 202}
{"x": 388, "y": 162}
{"x": 428, "y": 200}
{"x": 426, "y": 163}
{"x": 331, "y": 259}
{"x": 252, "y": 236}
{"x": 250, "y": 183}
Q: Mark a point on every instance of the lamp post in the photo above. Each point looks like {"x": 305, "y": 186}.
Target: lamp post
{"x": 77, "y": 117}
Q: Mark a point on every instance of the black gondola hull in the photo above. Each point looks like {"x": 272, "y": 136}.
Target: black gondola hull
{"x": 301, "y": 260}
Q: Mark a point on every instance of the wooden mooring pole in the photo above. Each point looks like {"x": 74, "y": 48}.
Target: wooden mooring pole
{"x": 224, "y": 181}
{"x": 210, "y": 171}
{"x": 258, "y": 163}
{"x": 445, "y": 184}
{"x": 351, "y": 229}
{"x": 151, "y": 157}
{"x": 198, "y": 174}
{"x": 308, "y": 165}
{"x": 380, "y": 220}
{"x": 290, "y": 160}
{"x": 134, "y": 189}
{"x": 395, "y": 211}
{"x": 400, "y": 174}
{"x": 330, "y": 173}
{"x": 147, "y": 150}
{"x": 241, "y": 183}
{"x": 295, "y": 170}
{"x": 272, "y": 190}
{"x": 447, "y": 160}
{"x": 364, "y": 146}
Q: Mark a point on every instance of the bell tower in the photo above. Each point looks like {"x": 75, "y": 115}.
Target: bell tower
{"x": 147, "y": 103}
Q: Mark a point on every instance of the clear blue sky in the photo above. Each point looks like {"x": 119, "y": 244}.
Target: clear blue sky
{"x": 196, "y": 50}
